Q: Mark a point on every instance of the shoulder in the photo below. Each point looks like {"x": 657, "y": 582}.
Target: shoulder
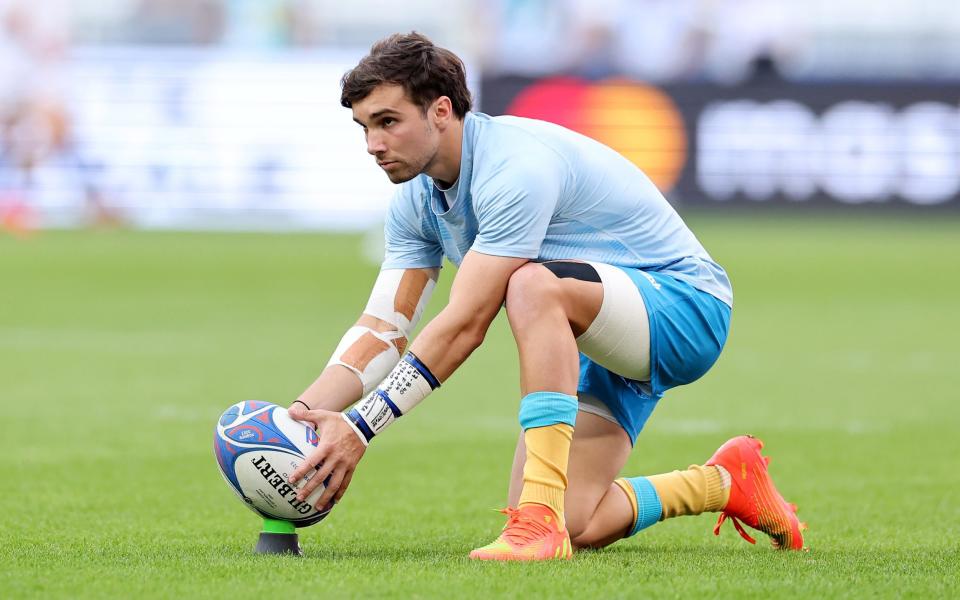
{"x": 513, "y": 137}
{"x": 510, "y": 152}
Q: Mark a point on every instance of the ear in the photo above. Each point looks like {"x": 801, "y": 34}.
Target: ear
{"x": 442, "y": 111}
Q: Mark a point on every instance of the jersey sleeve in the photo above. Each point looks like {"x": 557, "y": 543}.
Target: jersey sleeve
{"x": 514, "y": 205}
{"x": 409, "y": 244}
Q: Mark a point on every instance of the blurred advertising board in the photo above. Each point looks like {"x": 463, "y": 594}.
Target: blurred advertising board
{"x": 192, "y": 138}
{"x": 766, "y": 143}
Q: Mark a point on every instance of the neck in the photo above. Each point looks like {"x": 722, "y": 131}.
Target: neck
{"x": 445, "y": 168}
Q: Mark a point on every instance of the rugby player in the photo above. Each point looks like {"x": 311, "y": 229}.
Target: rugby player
{"x": 610, "y": 297}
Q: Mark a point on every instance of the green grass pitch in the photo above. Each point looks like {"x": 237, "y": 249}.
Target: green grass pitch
{"x": 118, "y": 351}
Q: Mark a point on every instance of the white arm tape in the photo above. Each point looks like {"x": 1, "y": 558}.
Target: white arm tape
{"x": 404, "y": 388}
{"x": 399, "y": 297}
{"x": 355, "y": 429}
{"x": 369, "y": 354}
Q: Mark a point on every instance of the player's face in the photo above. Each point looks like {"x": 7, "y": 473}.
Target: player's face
{"x": 399, "y": 135}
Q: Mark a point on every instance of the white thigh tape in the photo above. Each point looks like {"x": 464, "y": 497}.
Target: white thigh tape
{"x": 619, "y": 338}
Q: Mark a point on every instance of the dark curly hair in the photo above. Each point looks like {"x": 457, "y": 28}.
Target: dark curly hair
{"x": 425, "y": 71}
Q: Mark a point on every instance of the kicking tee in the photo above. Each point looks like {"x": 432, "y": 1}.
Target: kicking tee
{"x": 532, "y": 189}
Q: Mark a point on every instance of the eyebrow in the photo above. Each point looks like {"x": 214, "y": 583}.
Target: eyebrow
{"x": 377, "y": 115}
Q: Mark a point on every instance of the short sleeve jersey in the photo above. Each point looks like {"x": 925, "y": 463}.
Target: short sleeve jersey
{"x": 532, "y": 189}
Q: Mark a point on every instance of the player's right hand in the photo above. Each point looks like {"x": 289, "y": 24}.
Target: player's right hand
{"x": 336, "y": 456}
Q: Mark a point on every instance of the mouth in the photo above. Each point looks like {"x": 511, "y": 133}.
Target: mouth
{"x": 386, "y": 164}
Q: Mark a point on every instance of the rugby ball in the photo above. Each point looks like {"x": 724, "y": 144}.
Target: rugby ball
{"x": 257, "y": 446}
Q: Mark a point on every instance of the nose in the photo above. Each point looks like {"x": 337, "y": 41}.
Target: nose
{"x": 375, "y": 144}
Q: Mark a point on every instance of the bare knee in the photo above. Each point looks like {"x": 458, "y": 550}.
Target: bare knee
{"x": 592, "y": 535}
{"x": 576, "y": 522}
{"x": 606, "y": 520}
{"x": 531, "y": 291}
{"x": 582, "y": 525}
{"x": 585, "y": 540}
{"x": 578, "y": 525}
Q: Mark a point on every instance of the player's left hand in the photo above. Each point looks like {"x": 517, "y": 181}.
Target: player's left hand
{"x": 337, "y": 454}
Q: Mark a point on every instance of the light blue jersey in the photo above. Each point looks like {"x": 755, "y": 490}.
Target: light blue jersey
{"x": 531, "y": 189}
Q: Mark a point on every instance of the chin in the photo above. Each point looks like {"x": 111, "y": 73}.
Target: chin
{"x": 401, "y": 177}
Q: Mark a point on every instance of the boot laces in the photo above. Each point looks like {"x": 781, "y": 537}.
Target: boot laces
{"x": 522, "y": 529}
{"x": 736, "y": 525}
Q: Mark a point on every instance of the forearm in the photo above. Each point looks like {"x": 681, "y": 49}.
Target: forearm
{"x": 340, "y": 384}
{"x": 442, "y": 346}
{"x": 371, "y": 348}
{"x": 447, "y": 341}
{"x": 335, "y": 389}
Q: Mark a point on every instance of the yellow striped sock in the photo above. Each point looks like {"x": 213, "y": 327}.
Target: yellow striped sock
{"x": 545, "y": 470}
{"x": 691, "y": 492}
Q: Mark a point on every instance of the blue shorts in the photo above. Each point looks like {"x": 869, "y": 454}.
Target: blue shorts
{"x": 688, "y": 329}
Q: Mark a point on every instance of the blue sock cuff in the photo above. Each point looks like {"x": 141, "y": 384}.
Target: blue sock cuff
{"x": 649, "y": 508}
{"x": 542, "y": 409}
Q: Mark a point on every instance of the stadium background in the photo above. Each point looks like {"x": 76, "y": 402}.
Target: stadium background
{"x": 188, "y": 218}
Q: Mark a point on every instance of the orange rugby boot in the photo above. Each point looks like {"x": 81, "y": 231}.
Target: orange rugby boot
{"x": 532, "y": 532}
{"x": 754, "y": 499}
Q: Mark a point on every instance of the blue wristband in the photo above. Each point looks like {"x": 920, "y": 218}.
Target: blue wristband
{"x": 361, "y": 425}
